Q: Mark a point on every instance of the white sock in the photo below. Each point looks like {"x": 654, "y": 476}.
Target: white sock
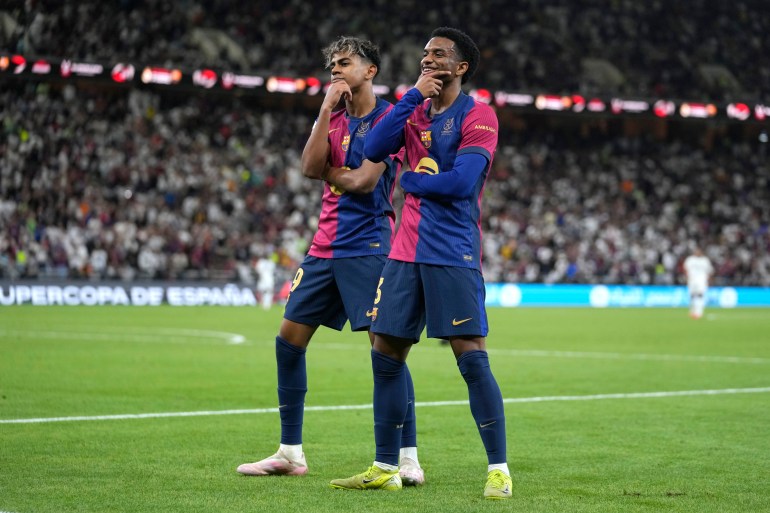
{"x": 293, "y": 452}
{"x": 409, "y": 452}
{"x": 386, "y": 467}
{"x": 700, "y": 306}
{"x": 499, "y": 466}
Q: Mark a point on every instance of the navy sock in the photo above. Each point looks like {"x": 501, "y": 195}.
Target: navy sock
{"x": 486, "y": 403}
{"x": 409, "y": 433}
{"x": 292, "y": 387}
{"x": 390, "y": 404}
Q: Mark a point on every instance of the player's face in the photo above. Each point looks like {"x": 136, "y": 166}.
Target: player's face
{"x": 351, "y": 68}
{"x": 440, "y": 55}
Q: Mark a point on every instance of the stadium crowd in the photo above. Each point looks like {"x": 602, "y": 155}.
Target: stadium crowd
{"x": 627, "y": 210}
{"x": 694, "y": 50}
{"x": 133, "y": 185}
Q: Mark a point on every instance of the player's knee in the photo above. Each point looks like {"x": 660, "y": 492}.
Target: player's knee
{"x": 462, "y": 345}
{"x": 296, "y": 334}
{"x": 393, "y": 347}
{"x": 473, "y": 364}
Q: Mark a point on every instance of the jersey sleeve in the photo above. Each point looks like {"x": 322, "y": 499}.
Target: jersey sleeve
{"x": 455, "y": 184}
{"x": 480, "y": 130}
{"x": 387, "y": 136}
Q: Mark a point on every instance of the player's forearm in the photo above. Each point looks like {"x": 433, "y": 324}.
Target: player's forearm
{"x": 456, "y": 184}
{"x": 385, "y": 138}
{"x": 315, "y": 155}
{"x": 357, "y": 181}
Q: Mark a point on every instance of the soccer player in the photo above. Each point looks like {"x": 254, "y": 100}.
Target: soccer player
{"x": 338, "y": 278}
{"x": 433, "y": 273}
{"x": 698, "y": 271}
{"x": 265, "y": 268}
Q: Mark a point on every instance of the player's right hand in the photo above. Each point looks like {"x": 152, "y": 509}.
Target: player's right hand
{"x": 338, "y": 89}
{"x": 430, "y": 84}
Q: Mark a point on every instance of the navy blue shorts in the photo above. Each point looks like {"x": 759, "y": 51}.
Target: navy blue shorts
{"x": 448, "y": 300}
{"x": 330, "y": 291}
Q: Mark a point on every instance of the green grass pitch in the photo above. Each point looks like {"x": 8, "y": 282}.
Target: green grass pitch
{"x": 627, "y": 410}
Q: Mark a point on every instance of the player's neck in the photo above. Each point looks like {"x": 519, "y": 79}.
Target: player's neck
{"x": 363, "y": 103}
{"x": 446, "y": 98}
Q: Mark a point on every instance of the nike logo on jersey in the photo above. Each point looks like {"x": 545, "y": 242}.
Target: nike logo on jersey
{"x": 455, "y": 322}
{"x": 411, "y": 122}
{"x": 333, "y": 130}
{"x": 372, "y": 313}
{"x": 487, "y": 424}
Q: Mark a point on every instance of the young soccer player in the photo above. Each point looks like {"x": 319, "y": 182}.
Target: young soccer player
{"x": 338, "y": 278}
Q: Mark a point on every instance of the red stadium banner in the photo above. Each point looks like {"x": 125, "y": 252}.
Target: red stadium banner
{"x": 21, "y": 66}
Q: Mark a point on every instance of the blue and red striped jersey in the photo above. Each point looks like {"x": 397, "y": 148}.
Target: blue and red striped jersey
{"x": 438, "y": 229}
{"x": 353, "y": 225}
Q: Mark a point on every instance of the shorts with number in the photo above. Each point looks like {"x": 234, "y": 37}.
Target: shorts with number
{"x": 448, "y": 300}
{"x": 330, "y": 291}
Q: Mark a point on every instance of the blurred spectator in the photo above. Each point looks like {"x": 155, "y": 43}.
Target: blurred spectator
{"x": 609, "y": 209}
{"x": 117, "y": 186}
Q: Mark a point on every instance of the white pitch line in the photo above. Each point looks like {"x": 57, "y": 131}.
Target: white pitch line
{"x": 595, "y": 397}
{"x": 734, "y": 316}
{"x": 594, "y": 355}
{"x": 161, "y": 334}
{"x": 173, "y": 335}
{"x": 632, "y": 356}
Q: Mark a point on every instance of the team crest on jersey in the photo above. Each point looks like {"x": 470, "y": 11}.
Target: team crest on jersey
{"x": 425, "y": 138}
{"x": 362, "y": 129}
{"x": 345, "y": 142}
{"x": 448, "y": 126}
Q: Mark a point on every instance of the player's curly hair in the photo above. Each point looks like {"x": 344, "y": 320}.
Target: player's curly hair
{"x": 353, "y": 46}
{"x": 467, "y": 49}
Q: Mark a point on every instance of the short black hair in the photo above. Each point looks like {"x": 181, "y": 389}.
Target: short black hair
{"x": 467, "y": 48}
{"x": 354, "y": 46}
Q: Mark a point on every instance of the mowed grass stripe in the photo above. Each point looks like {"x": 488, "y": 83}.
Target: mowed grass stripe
{"x": 177, "y": 336}
{"x": 595, "y": 397}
